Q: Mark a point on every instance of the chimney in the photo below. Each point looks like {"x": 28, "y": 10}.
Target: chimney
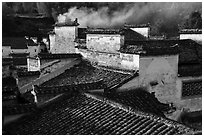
{"x": 76, "y": 20}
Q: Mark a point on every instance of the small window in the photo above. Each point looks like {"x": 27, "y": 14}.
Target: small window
{"x": 35, "y": 50}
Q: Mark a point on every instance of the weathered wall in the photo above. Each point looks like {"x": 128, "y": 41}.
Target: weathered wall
{"x": 118, "y": 60}
{"x": 6, "y": 50}
{"x": 64, "y": 40}
{"x": 143, "y": 31}
{"x": 195, "y": 37}
{"x": 104, "y": 42}
{"x": 130, "y": 61}
{"x": 104, "y": 59}
{"x": 33, "y": 50}
{"x": 162, "y": 70}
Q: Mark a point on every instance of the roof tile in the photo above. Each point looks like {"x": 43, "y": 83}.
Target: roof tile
{"x": 83, "y": 115}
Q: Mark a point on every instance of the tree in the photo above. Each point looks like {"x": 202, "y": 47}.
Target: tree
{"x": 194, "y": 21}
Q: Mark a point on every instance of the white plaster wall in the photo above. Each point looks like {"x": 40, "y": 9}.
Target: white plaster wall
{"x": 143, "y": 31}
{"x": 64, "y": 40}
{"x": 6, "y": 50}
{"x": 195, "y": 37}
{"x": 33, "y": 64}
{"x": 104, "y": 42}
{"x": 163, "y": 70}
{"x": 52, "y": 42}
{"x": 130, "y": 61}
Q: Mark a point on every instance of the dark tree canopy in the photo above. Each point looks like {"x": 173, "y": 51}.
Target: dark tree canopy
{"x": 194, "y": 21}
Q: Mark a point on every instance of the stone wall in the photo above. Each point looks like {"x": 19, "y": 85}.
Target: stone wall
{"x": 63, "y": 40}
{"x": 104, "y": 42}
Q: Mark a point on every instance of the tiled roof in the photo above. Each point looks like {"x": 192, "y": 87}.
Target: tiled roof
{"x": 104, "y": 31}
{"x": 20, "y": 61}
{"x": 141, "y": 100}
{"x": 150, "y": 47}
{"x": 17, "y": 42}
{"x": 84, "y": 73}
{"x": 66, "y": 24}
{"x": 190, "y": 31}
{"x": 19, "y": 108}
{"x": 50, "y": 89}
{"x": 190, "y": 70}
{"x": 9, "y": 82}
{"x": 132, "y": 35}
{"x": 137, "y": 25}
{"x": 192, "y": 88}
{"x": 58, "y": 56}
{"x": 189, "y": 52}
{"x": 19, "y": 54}
{"x": 14, "y": 42}
{"x": 27, "y": 73}
{"x": 16, "y": 60}
{"x": 83, "y": 115}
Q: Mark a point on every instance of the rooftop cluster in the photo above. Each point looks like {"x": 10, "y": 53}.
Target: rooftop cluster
{"x": 93, "y": 117}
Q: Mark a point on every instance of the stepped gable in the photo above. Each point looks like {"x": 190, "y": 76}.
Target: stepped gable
{"x": 83, "y": 115}
{"x": 192, "y": 88}
{"x": 140, "y": 100}
{"x": 85, "y": 73}
{"x": 104, "y": 31}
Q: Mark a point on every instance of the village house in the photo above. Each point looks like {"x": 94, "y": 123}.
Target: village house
{"x": 119, "y": 75}
{"x": 63, "y": 37}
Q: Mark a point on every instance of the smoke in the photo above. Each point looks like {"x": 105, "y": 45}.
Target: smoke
{"x": 162, "y": 16}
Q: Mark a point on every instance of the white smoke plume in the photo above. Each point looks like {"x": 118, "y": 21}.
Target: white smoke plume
{"x": 135, "y": 13}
